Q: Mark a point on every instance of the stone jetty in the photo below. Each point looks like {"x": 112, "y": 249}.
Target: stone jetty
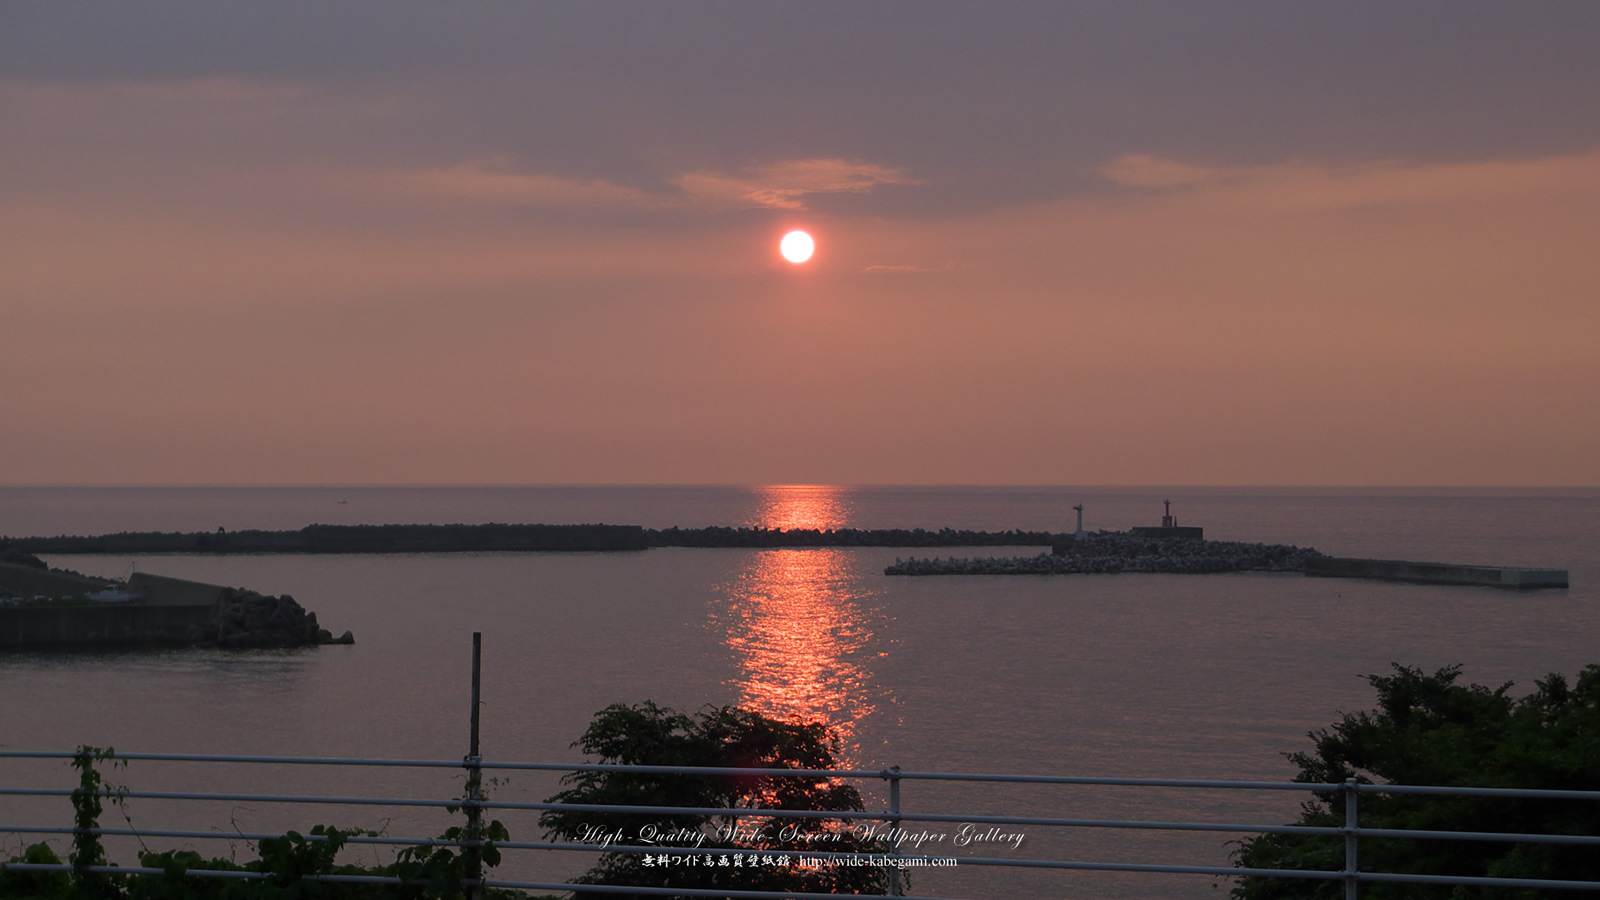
{"x": 1114, "y": 552}
{"x": 48, "y": 607}
{"x": 247, "y": 619}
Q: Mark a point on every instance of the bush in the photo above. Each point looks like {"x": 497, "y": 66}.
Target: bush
{"x": 716, "y": 737}
{"x": 1429, "y": 730}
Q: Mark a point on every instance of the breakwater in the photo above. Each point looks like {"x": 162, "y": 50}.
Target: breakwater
{"x": 239, "y": 618}
{"x": 1437, "y": 573}
{"x": 1109, "y": 553}
{"x": 353, "y": 539}
{"x": 47, "y": 607}
{"x": 845, "y": 537}
{"x": 517, "y": 538}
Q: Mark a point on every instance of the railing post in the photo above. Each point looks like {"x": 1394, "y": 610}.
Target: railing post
{"x": 893, "y": 774}
{"x": 474, "y": 833}
{"x": 1351, "y": 829}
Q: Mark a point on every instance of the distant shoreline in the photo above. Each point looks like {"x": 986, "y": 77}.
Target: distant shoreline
{"x": 339, "y": 539}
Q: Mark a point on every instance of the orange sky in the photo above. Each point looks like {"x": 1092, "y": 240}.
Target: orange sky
{"x": 282, "y": 274}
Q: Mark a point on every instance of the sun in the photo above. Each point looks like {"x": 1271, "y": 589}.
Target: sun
{"x": 797, "y": 246}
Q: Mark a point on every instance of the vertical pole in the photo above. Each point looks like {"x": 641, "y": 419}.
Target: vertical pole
{"x": 1351, "y": 827}
{"x": 894, "y": 829}
{"x": 474, "y": 852}
{"x": 477, "y": 669}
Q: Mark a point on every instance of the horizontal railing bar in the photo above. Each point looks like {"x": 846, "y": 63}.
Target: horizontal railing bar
{"x": 1150, "y": 825}
{"x": 688, "y": 892}
{"x": 1495, "y": 836}
{"x": 1480, "y": 880}
{"x": 381, "y": 840}
{"x": 1117, "y": 823}
{"x": 880, "y": 774}
{"x": 220, "y": 758}
{"x": 884, "y": 774}
{"x": 244, "y": 836}
{"x": 1120, "y": 782}
{"x": 386, "y": 879}
{"x": 1526, "y": 793}
{"x": 198, "y": 873}
{"x": 1470, "y": 880}
{"x": 633, "y": 849}
{"x": 250, "y": 798}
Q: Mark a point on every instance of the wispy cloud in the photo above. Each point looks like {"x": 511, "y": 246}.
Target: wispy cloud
{"x": 782, "y": 185}
{"x": 785, "y": 185}
{"x": 907, "y": 269}
{"x": 493, "y": 180}
{"x": 1305, "y": 186}
{"x": 1142, "y": 170}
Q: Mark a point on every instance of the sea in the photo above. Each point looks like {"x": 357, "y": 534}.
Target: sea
{"x": 1135, "y": 676}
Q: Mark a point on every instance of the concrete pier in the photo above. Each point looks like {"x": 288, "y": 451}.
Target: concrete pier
{"x": 157, "y": 610}
{"x": 1436, "y": 573}
{"x": 102, "y": 625}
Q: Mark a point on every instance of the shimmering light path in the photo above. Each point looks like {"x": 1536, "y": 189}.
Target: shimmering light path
{"x": 796, "y": 623}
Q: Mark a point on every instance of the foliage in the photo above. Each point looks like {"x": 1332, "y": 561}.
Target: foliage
{"x": 717, "y": 737}
{"x": 438, "y": 871}
{"x": 35, "y": 884}
{"x": 1429, "y": 730}
{"x": 432, "y": 871}
{"x": 87, "y": 851}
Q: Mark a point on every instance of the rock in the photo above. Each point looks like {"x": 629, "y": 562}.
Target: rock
{"x": 248, "y": 619}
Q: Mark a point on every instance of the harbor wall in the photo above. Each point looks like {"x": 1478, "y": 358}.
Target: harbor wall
{"x": 27, "y": 581}
{"x": 102, "y": 623}
{"x": 1184, "y": 532}
{"x": 1436, "y": 573}
{"x": 159, "y": 590}
{"x": 355, "y": 539}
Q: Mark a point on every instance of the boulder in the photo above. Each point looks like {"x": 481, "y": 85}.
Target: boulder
{"x": 248, "y": 619}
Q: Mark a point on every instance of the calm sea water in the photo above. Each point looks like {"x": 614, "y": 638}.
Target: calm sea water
{"x": 1144, "y": 676}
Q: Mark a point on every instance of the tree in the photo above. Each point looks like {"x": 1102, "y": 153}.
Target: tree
{"x": 1429, "y": 730}
{"x": 717, "y": 737}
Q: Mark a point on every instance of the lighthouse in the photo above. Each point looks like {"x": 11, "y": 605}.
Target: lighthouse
{"x": 1169, "y": 527}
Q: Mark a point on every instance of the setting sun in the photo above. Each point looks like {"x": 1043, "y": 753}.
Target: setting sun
{"x": 797, "y": 246}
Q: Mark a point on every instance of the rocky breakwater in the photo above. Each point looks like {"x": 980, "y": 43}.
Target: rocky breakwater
{"x": 1114, "y": 552}
{"x": 248, "y": 619}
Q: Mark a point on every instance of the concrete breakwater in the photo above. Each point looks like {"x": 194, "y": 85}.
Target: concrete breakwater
{"x": 716, "y": 536}
{"x": 1437, "y": 573}
{"x": 518, "y": 538}
{"x": 1108, "y": 553}
{"x": 148, "y": 609}
{"x": 353, "y": 539}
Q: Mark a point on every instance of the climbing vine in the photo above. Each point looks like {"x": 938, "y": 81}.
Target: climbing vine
{"x": 290, "y": 867}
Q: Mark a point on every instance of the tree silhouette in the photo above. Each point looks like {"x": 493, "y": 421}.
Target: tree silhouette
{"x": 762, "y": 852}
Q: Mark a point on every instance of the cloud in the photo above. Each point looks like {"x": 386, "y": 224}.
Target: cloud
{"x": 1311, "y": 187}
{"x": 493, "y": 181}
{"x": 784, "y": 185}
{"x": 907, "y": 269}
{"x": 1141, "y": 170}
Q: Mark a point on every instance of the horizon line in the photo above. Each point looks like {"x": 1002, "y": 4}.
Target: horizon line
{"x": 750, "y": 485}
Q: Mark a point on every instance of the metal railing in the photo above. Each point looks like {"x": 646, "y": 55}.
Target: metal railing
{"x": 894, "y": 823}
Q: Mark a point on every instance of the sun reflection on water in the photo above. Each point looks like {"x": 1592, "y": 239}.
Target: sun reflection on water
{"x": 792, "y": 506}
{"x": 796, "y": 624}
